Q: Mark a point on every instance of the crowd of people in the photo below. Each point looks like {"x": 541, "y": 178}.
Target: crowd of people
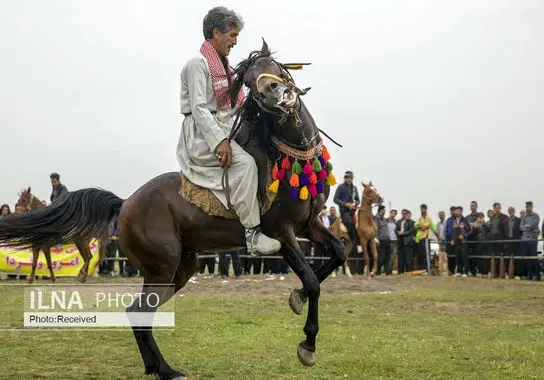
{"x": 460, "y": 236}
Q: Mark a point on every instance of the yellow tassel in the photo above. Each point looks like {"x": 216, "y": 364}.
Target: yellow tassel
{"x": 304, "y": 193}
{"x": 331, "y": 180}
{"x": 274, "y": 186}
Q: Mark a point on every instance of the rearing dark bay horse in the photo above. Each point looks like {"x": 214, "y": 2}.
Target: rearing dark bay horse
{"x": 161, "y": 231}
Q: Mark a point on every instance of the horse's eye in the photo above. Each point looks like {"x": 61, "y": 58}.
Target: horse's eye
{"x": 273, "y": 85}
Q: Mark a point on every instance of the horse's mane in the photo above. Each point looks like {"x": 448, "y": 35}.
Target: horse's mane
{"x": 252, "y": 123}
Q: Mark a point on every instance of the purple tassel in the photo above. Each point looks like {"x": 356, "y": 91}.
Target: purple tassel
{"x": 323, "y": 162}
{"x": 304, "y": 180}
{"x": 294, "y": 193}
{"x": 320, "y": 186}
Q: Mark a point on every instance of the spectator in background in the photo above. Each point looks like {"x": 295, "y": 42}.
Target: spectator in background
{"x": 529, "y": 235}
{"x": 347, "y": 199}
{"x": 332, "y": 215}
{"x": 224, "y": 263}
{"x": 478, "y": 233}
{"x": 513, "y": 232}
{"x": 498, "y": 228}
{"x": 392, "y": 227}
{"x": 384, "y": 252}
{"x": 423, "y": 226}
{"x": 461, "y": 229}
{"x": 324, "y": 218}
{"x": 521, "y": 214}
{"x": 471, "y": 218}
{"x": 5, "y": 210}
{"x": 58, "y": 188}
{"x": 448, "y": 238}
{"x": 405, "y": 232}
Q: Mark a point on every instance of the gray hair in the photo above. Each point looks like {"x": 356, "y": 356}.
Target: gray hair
{"x": 222, "y": 19}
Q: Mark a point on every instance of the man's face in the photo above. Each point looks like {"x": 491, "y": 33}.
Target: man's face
{"x": 441, "y": 216}
{"x": 54, "y": 181}
{"x": 489, "y": 213}
{"x": 408, "y": 215}
{"x": 480, "y": 219}
{"x": 497, "y": 209}
{"x": 223, "y": 42}
{"x": 381, "y": 212}
{"x": 349, "y": 180}
{"x": 511, "y": 211}
{"x": 457, "y": 212}
{"x": 332, "y": 211}
{"x": 529, "y": 208}
{"x": 324, "y": 212}
{"x": 4, "y": 210}
{"x": 423, "y": 211}
{"x": 522, "y": 213}
{"x": 393, "y": 214}
{"x": 473, "y": 207}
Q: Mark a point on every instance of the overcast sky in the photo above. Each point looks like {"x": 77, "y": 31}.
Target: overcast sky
{"x": 434, "y": 101}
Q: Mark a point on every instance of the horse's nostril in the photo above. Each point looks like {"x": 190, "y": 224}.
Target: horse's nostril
{"x": 261, "y": 94}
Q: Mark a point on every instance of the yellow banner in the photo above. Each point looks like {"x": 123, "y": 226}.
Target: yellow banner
{"x": 65, "y": 260}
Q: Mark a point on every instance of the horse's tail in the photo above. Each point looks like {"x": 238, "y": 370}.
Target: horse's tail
{"x": 81, "y": 214}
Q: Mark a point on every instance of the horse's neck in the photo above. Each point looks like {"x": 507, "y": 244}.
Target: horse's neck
{"x": 299, "y": 135}
{"x": 365, "y": 211}
{"x": 35, "y": 203}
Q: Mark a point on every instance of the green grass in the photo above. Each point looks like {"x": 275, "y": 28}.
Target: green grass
{"x": 428, "y": 329}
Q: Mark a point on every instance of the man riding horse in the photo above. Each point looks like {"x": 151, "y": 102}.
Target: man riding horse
{"x": 347, "y": 199}
{"x": 203, "y": 149}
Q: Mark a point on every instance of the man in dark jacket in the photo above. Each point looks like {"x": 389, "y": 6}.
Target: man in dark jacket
{"x": 405, "y": 233}
{"x": 461, "y": 230}
{"x": 498, "y": 228}
{"x": 384, "y": 253}
{"x": 58, "y": 188}
{"x": 448, "y": 234}
{"x": 347, "y": 199}
{"x": 513, "y": 232}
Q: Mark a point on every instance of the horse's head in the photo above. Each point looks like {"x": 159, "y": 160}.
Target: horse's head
{"x": 26, "y": 201}
{"x": 270, "y": 84}
{"x": 370, "y": 194}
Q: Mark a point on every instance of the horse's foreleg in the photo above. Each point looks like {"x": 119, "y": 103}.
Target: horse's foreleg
{"x": 366, "y": 268}
{"x": 47, "y": 253}
{"x": 294, "y": 256}
{"x": 35, "y": 256}
{"x": 374, "y": 248}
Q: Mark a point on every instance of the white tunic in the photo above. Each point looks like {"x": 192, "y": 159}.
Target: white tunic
{"x": 201, "y": 133}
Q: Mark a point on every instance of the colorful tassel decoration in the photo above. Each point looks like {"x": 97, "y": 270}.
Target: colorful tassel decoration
{"x": 316, "y": 165}
{"x": 294, "y": 193}
{"x": 326, "y": 155}
{"x": 322, "y": 176}
{"x": 313, "y": 178}
{"x": 296, "y": 168}
{"x": 280, "y": 174}
{"x": 329, "y": 167}
{"x": 275, "y": 171}
{"x": 312, "y": 190}
{"x": 322, "y": 161}
{"x": 331, "y": 180}
{"x": 304, "y": 180}
{"x": 294, "y": 181}
{"x": 307, "y": 168}
{"x": 320, "y": 186}
{"x": 274, "y": 186}
{"x": 286, "y": 164}
{"x": 304, "y": 193}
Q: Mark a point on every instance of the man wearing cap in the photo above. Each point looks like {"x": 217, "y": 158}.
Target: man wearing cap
{"x": 58, "y": 188}
{"x": 347, "y": 199}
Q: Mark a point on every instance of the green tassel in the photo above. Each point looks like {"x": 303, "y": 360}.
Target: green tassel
{"x": 296, "y": 168}
{"x": 316, "y": 165}
{"x": 329, "y": 167}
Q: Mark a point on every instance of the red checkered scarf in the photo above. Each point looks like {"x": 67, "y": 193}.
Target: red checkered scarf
{"x": 219, "y": 77}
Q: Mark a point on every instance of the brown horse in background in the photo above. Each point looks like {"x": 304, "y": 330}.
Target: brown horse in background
{"x": 366, "y": 226}
{"x": 28, "y": 202}
{"x": 340, "y": 231}
{"x": 161, "y": 231}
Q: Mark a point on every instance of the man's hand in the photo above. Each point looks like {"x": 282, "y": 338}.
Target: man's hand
{"x": 224, "y": 153}
{"x": 461, "y": 237}
{"x": 452, "y": 243}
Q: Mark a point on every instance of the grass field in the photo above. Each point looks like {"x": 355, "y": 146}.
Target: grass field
{"x": 389, "y": 328}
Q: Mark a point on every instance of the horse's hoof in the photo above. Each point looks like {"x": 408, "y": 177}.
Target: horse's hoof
{"x": 29, "y": 280}
{"x": 305, "y": 356}
{"x": 333, "y": 275}
{"x": 159, "y": 377}
{"x": 53, "y": 279}
{"x": 297, "y": 299}
{"x": 82, "y": 278}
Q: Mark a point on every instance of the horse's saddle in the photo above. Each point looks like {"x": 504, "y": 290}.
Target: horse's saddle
{"x": 206, "y": 200}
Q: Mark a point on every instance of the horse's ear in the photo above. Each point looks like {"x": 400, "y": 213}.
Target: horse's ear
{"x": 370, "y": 183}
{"x": 264, "y": 48}
{"x": 362, "y": 183}
{"x": 28, "y": 190}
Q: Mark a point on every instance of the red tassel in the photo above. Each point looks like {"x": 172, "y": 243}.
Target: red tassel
{"x": 275, "y": 172}
{"x": 322, "y": 175}
{"x": 280, "y": 174}
{"x": 286, "y": 164}
{"x": 326, "y": 154}
{"x": 308, "y": 168}
{"x": 313, "y": 178}
{"x": 312, "y": 190}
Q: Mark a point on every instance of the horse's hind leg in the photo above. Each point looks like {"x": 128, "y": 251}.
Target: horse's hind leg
{"x": 35, "y": 256}
{"x": 47, "y": 253}
{"x": 85, "y": 252}
{"x": 374, "y": 248}
{"x": 163, "y": 268}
